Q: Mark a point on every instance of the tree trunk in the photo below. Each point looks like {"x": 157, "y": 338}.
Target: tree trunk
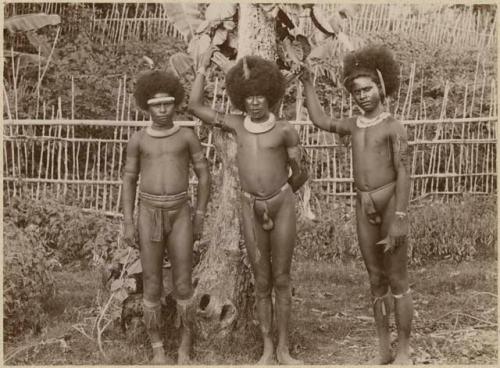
{"x": 223, "y": 298}
{"x": 224, "y": 293}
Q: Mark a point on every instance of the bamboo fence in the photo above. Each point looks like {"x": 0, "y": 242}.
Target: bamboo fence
{"x": 121, "y": 22}
{"x": 81, "y": 161}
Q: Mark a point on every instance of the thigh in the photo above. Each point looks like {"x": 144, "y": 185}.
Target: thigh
{"x": 180, "y": 243}
{"x": 368, "y": 236}
{"x": 256, "y": 240}
{"x": 395, "y": 261}
{"x": 151, "y": 252}
{"x": 283, "y": 235}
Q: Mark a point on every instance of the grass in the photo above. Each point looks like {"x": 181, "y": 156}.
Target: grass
{"x": 455, "y": 320}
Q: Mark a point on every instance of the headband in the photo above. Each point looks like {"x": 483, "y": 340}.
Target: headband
{"x": 157, "y": 100}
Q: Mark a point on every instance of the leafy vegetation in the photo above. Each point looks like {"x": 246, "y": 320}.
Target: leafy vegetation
{"x": 68, "y": 233}
{"x": 28, "y": 279}
{"x": 458, "y": 230}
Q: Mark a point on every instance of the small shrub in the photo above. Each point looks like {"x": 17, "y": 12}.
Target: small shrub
{"x": 72, "y": 234}
{"x": 462, "y": 229}
{"x": 28, "y": 282}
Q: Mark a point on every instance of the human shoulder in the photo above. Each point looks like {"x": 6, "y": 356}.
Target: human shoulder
{"x": 396, "y": 127}
{"x": 289, "y": 132}
{"x": 137, "y": 137}
{"x": 187, "y": 132}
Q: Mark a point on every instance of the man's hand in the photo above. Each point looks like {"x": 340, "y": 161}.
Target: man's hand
{"x": 198, "y": 225}
{"x": 305, "y": 75}
{"x": 129, "y": 234}
{"x": 397, "y": 235}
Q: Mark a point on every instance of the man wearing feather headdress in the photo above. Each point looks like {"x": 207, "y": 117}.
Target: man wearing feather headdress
{"x": 161, "y": 155}
{"x": 382, "y": 178}
{"x": 267, "y": 148}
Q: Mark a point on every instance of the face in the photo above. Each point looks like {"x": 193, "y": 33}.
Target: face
{"x": 257, "y": 108}
{"x": 366, "y": 93}
{"x": 162, "y": 113}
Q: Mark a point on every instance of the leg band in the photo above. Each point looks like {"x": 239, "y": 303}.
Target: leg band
{"x": 157, "y": 345}
{"x": 152, "y": 314}
{"x": 381, "y": 298}
{"x": 182, "y": 312}
{"x": 400, "y": 296}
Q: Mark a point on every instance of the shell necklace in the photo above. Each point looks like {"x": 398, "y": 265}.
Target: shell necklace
{"x": 161, "y": 133}
{"x": 363, "y": 122}
{"x": 258, "y": 128}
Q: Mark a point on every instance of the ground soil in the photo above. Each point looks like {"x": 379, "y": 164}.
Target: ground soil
{"x": 455, "y": 320}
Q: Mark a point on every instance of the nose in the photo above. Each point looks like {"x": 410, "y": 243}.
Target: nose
{"x": 163, "y": 108}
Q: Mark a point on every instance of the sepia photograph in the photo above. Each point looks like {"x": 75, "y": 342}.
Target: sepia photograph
{"x": 227, "y": 183}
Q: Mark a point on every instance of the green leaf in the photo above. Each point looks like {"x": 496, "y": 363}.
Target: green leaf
{"x": 135, "y": 267}
{"x": 204, "y": 25}
{"x": 181, "y": 63}
{"x": 116, "y": 284}
{"x": 218, "y": 12}
{"x": 220, "y": 36}
{"x": 229, "y": 25}
{"x": 185, "y": 17}
{"x": 197, "y": 47}
{"x": 30, "y": 22}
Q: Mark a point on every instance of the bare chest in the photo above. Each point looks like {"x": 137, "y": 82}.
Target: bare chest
{"x": 259, "y": 144}
{"x": 168, "y": 147}
{"x": 371, "y": 141}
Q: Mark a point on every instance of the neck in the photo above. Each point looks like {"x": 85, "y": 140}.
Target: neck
{"x": 262, "y": 119}
{"x": 168, "y": 125}
{"x": 375, "y": 112}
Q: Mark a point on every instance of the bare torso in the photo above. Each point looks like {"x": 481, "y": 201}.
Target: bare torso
{"x": 372, "y": 154}
{"x": 164, "y": 163}
{"x": 262, "y": 159}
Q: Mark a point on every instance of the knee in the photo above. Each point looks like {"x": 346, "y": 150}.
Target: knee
{"x": 262, "y": 287}
{"x": 183, "y": 288}
{"x": 399, "y": 282}
{"x": 152, "y": 285}
{"x": 282, "y": 284}
{"x": 378, "y": 282}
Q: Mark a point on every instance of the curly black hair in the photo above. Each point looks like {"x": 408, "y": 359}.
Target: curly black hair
{"x": 365, "y": 62}
{"x": 259, "y": 77}
{"x": 156, "y": 81}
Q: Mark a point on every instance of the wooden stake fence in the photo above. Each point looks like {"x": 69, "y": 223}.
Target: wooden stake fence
{"x": 148, "y": 21}
{"x": 53, "y": 157}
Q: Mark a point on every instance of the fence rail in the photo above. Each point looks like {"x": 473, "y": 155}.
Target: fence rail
{"x": 81, "y": 161}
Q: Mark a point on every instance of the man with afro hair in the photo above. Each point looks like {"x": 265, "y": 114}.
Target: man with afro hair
{"x": 160, "y": 155}
{"x": 382, "y": 179}
{"x": 267, "y": 148}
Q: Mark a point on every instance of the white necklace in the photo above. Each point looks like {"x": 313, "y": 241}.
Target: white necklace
{"x": 364, "y": 122}
{"x": 161, "y": 133}
{"x": 258, "y": 128}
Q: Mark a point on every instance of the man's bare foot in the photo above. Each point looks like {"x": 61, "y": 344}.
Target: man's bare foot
{"x": 402, "y": 359}
{"x": 283, "y": 356}
{"x": 267, "y": 354}
{"x": 381, "y": 360}
{"x": 159, "y": 357}
{"x": 183, "y": 357}
{"x": 184, "y": 350}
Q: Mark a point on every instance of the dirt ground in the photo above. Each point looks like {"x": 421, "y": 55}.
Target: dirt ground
{"x": 455, "y": 320}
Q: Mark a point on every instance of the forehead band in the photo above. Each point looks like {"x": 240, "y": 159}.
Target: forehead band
{"x": 157, "y": 100}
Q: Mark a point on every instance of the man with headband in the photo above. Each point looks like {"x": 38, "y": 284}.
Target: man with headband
{"x": 267, "y": 148}
{"x": 382, "y": 178}
{"x": 161, "y": 155}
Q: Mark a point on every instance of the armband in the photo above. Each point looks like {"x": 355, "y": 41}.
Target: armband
{"x": 199, "y": 160}
{"x": 400, "y": 214}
